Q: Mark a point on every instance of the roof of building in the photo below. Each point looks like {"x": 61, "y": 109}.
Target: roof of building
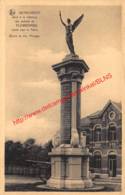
{"x": 87, "y": 120}
{"x": 118, "y": 104}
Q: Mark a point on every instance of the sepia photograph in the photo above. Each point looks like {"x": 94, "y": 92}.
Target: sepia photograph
{"x": 63, "y": 98}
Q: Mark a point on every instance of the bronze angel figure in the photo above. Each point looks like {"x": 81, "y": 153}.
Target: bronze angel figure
{"x": 69, "y": 27}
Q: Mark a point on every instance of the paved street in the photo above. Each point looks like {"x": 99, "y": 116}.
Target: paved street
{"x": 20, "y": 183}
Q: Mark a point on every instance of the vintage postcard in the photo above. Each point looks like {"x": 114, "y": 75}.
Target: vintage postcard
{"x": 62, "y": 81}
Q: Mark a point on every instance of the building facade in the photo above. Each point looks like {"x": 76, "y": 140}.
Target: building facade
{"x": 103, "y": 137}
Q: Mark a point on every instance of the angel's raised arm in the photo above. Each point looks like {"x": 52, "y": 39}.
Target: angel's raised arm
{"x": 61, "y": 18}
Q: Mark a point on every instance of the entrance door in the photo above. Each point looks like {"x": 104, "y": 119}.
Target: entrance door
{"x": 112, "y": 165}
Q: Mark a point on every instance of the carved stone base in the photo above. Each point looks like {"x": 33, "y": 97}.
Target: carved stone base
{"x": 69, "y": 168}
{"x": 69, "y": 183}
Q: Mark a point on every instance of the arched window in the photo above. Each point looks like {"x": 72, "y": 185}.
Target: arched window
{"x": 97, "y": 160}
{"x": 112, "y": 132}
{"x": 97, "y": 133}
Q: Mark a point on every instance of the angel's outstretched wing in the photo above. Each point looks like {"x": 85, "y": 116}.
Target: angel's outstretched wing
{"x": 77, "y": 22}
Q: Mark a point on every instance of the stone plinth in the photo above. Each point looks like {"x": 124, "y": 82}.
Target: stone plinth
{"x": 70, "y": 73}
{"x": 69, "y": 168}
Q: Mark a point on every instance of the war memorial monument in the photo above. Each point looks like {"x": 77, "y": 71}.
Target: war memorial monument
{"x": 70, "y": 158}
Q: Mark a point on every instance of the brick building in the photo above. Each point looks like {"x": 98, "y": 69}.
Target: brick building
{"x": 104, "y": 136}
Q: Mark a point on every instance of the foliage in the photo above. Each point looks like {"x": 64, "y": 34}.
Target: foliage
{"x": 18, "y": 153}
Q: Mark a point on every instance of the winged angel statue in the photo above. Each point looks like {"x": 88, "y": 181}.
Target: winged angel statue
{"x": 69, "y": 27}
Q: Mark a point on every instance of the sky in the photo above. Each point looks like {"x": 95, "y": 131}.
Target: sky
{"x": 30, "y": 81}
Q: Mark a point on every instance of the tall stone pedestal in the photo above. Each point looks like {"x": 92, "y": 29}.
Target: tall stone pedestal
{"x": 69, "y": 168}
{"x": 70, "y": 73}
{"x": 70, "y": 160}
